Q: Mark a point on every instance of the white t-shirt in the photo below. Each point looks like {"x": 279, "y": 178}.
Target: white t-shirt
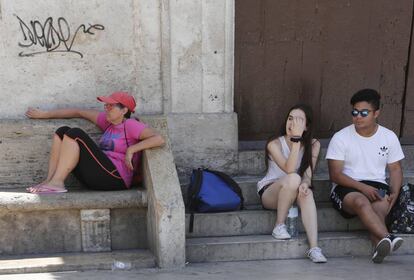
{"x": 365, "y": 158}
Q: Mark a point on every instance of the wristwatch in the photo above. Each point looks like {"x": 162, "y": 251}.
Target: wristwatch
{"x": 296, "y": 139}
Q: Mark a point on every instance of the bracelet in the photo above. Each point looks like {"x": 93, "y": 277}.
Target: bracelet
{"x": 296, "y": 139}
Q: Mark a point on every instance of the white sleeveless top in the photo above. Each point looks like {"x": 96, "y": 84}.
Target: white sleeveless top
{"x": 273, "y": 171}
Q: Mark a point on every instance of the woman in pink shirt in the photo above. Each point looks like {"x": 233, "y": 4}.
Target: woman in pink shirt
{"x": 107, "y": 166}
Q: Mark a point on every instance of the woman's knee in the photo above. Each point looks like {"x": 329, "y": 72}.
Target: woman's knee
{"x": 61, "y": 131}
{"x": 292, "y": 181}
{"x": 303, "y": 199}
{"x": 75, "y": 132}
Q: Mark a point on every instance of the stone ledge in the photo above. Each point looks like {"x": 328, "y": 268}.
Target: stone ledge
{"x": 165, "y": 216}
{"x": 18, "y": 200}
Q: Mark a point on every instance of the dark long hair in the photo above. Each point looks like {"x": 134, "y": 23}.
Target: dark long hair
{"x": 307, "y": 137}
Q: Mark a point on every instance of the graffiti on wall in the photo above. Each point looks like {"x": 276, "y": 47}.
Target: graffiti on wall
{"x": 52, "y": 36}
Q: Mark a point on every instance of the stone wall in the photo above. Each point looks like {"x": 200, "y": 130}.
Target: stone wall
{"x": 175, "y": 56}
{"x": 118, "y": 49}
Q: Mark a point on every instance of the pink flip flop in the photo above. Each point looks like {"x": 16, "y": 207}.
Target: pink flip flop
{"x": 45, "y": 189}
{"x": 32, "y": 187}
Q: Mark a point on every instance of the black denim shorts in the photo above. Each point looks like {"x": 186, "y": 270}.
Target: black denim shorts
{"x": 339, "y": 193}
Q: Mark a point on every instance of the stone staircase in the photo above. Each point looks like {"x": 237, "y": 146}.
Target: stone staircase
{"x": 245, "y": 235}
{"x": 83, "y": 230}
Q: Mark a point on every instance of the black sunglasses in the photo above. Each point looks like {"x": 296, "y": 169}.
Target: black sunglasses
{"x": 363, "y": 113}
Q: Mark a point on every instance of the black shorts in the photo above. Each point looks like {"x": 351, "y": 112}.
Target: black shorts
{"x": 339, "y": 193}
{"x": 260, "y": 193}
{"x": 94, "y": 169}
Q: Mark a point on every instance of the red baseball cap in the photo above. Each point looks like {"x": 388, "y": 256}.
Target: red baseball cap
{"x": 121, "y": 97}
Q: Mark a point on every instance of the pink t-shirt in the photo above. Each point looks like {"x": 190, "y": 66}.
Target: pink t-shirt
{"x": 114, "y": 144}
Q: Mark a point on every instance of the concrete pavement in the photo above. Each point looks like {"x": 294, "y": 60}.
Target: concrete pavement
{"x": 394, "y": 267}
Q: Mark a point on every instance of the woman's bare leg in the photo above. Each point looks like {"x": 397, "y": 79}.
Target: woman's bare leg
{"x": 53, "y": 160}
{"x": 309, "y": 217}
{"x": 67, "y": 160}
{"x": 281, "y": 195}
{"x": 54, "y": 156}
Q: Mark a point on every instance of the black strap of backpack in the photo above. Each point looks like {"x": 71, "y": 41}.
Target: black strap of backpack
{"x": 192, "y": 199}
{"x": 233, "y": 185}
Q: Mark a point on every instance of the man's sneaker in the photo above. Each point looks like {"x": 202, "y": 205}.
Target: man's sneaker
{"x": 315, "y": 254}
{"x": 396, "y": 242}
{"x": 280, "y": 232}
{"x": 382, "y": 249}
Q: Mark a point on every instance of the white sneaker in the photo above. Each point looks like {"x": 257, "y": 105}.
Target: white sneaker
{"x": 315, "y": 254}
{"x": 396, "y": 242}
{"x": 382, "y": 249}
{"x": 280, "y": 232}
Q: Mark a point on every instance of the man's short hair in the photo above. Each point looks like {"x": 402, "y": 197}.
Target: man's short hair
{"x": 368, "y": 95}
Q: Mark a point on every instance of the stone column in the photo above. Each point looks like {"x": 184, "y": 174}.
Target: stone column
{"x": 197, "y": 66}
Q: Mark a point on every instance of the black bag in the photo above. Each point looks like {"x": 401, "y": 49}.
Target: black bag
{"x": 212, "y": 191}
{"x": 402, "y": 213}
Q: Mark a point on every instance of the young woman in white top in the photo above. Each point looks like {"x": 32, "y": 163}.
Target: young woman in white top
{"x": 290, "y": 159}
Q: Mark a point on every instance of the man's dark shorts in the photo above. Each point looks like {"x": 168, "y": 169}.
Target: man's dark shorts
{"x": 339, "y": 193}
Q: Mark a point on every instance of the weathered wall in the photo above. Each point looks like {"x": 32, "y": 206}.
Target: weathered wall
{"x": 124, "y": 55}
{"x": 175, "y": 56}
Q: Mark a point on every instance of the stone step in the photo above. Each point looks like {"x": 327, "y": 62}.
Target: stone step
{"x": 252, "y": 161}
{"x": 265, "y": 247}
{"x": 126, "y": 259}
{"x": 248, "y": 184}
{"x": 77, "y": 221}
{"x": 254, "y": 222}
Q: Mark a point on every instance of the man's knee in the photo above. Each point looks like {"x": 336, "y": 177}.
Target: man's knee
{"x": 359, "y": 204}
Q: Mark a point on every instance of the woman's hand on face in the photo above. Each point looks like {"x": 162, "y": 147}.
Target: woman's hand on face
{"x": 128, "y": 159}
{"x": 34, "y": 113}
{"x": 298, "y": 126}
{"x": 304, "y": 189}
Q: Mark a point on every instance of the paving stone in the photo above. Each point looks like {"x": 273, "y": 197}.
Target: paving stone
{"x": 129, "y": 259}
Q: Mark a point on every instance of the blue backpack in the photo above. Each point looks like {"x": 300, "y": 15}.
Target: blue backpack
{"x": 212, "y": 191}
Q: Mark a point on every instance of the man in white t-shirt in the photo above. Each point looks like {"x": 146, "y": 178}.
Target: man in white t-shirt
{"x": 358, "y": 156}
